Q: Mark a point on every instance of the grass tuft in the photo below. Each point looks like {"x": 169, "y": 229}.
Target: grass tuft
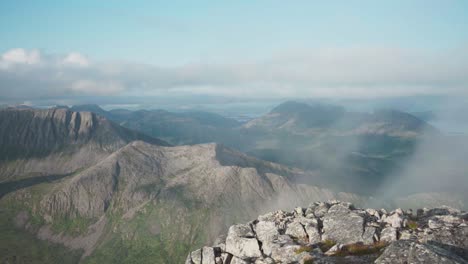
{"x": 412, "y": 224}
{"x": 326, "y": 245}
{"x": 307, "y": 248}
{"x": 360, "y": 249}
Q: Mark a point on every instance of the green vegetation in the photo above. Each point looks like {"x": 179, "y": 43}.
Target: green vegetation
{"x": 302, "y": 249}
{"x": 360, "y": 249}
{"x": 412, "y": 225}
{"x": 158, "y": 233}
{"x": 20, "y": 246}
{"x": 71, "y": 226}
{"x": 326, "y": 245}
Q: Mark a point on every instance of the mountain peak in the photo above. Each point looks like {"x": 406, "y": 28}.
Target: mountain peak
{"x": 39, "y": 132}
{"x": 291, "y": 107}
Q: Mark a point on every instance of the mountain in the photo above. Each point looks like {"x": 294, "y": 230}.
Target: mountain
{"x": 93, "y": 108}
{"x": 337, "y": 232}
{"x": 176, "y": 128}
{"x": 141, "y": 202}
{"x": 84, "y": 189}
{"x": 293, "y": 115}
{"x": 302, "y": 118}
{"x": 57, "y": 141}
{"x": 356, "y": 151}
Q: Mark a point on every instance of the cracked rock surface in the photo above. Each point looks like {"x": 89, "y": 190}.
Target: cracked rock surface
{"x": 337, "y": 232}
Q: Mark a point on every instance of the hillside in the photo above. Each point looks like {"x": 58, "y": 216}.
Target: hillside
{"x": 150, "y": 203}
{"x": 337, "y": 232}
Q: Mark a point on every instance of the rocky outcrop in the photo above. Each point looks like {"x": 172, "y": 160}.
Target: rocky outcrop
{"x": 337, "y": 232}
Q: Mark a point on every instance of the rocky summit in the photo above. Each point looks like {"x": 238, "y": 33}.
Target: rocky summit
{"x": 337, "y": 232}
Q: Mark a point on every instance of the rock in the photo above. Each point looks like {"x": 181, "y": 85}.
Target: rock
{"x": 369, "y": 235}
{"x": 208, "y": 255}
{"x": 437, "y": 236}
{"x": 296, "y": 230}
{"x": 196, "y": 256}
{"x": 321, "y": 209}
{"x": 434, "y": 224}
{"x": 440, "y": 221}
{"x": 313, "y": 233}
{"x": 333, "y": 250}
{"x": 236, "y": 260}
{"x": 445, "y": 210}
{"x": 388, "y": 234}
{"x": 342, "y": 226}
{"x": 288, "y": 254}
{"x": 406, "y": 235}
{"x": 374, "y": 213}
{"x": 267, "y": 233}
{"x": 405, "y": 251}
{"x": 299, "y": 211}
{"x": 241, "y": 242}
{"x": 394, "y": 220}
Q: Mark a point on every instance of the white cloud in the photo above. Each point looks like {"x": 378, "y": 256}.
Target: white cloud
{"x": 96, "y": 88}
{"x": 21, "y": 56}
{"x": 363, "y": 72}
{"x": 75, "y": 58}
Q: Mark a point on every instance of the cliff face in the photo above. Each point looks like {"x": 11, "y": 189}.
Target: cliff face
{"x": 337, "y": 232}
{"x": 57, "y": 141}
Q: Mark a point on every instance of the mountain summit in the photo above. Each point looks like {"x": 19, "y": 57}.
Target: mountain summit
{"x": 337, "y": 232}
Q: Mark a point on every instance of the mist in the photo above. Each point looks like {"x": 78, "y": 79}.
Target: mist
{"x": 437, "y": 169}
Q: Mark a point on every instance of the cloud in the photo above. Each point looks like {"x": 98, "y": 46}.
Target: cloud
{"x": 347, "y": 72}
{"x": 76, "y": 58}
{"x": 21, "y": 56}
{"x": 98, "y": 88}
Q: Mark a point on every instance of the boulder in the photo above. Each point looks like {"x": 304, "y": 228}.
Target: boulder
{"x": 343, "y": 226}
{"x": 242, "y": 243}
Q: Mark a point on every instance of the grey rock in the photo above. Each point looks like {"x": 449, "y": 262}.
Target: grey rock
{"x": 241, "y": 242}
{"x": 389, "y": 234}
{"x": 343, "y": 226}
{"x": 394, "y": 220}
{"x": 405, "y": 251}
{"x": 196, "y": 256}
{"x": 276, "y": 237}
{"x": 296, "y": 230}
{"x": 208, "y": 254}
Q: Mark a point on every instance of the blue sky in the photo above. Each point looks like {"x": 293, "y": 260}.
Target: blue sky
{"x": 176, "y": 32}
{"x": 254, "y": 49}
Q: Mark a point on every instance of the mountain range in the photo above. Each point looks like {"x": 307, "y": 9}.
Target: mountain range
{"x": 364, "y": 147}
{"x": 124, "y": 196}
{"x": 99, "y": 187}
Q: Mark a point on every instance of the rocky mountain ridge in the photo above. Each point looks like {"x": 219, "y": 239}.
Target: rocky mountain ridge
{"x": 58, "y": 141}
{"x": 142, "y": 191}
{"x": 337, "y": 232}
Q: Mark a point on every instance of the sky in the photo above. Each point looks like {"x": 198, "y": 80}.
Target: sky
{"x": 58, "y": 49}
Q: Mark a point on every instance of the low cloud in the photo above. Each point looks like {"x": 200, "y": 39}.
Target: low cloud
{"x": 20, "y": 56}
{"x": 382, "y": 72}
{"x": 77, "y": 59}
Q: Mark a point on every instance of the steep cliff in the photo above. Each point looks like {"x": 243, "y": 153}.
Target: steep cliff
{"x": 57, "y": 141}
